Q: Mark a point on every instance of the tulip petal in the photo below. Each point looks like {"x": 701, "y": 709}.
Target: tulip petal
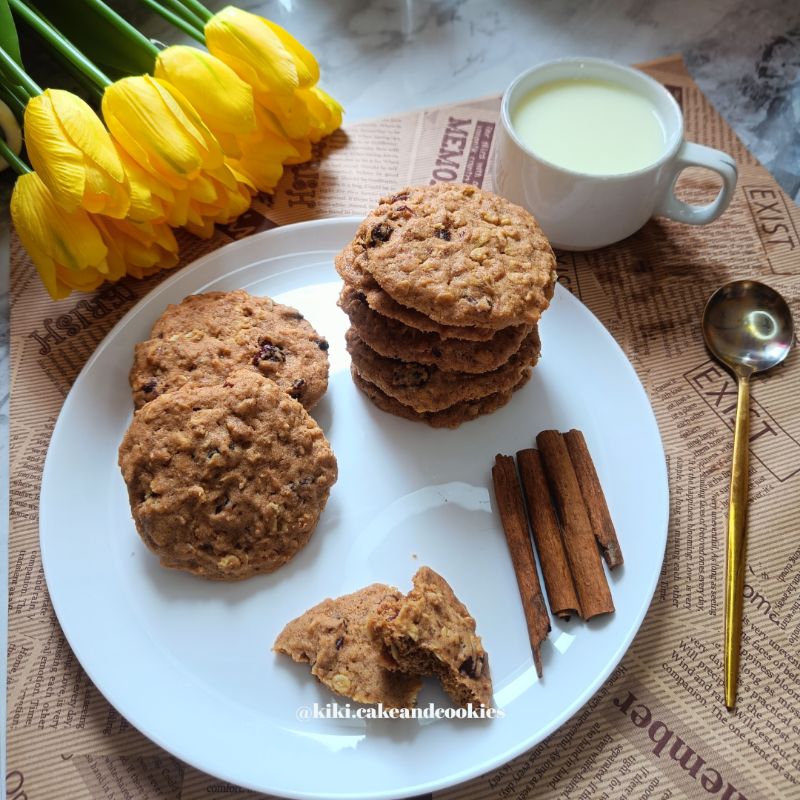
{"x": 65, "y": 246}
{"x": 55, "y": 158}
{"x": 225, "y": 177}
{"x": 304, "y": 61}
{"x": 85, "y": 281}
{"x": 179, "y": 209}
{"x": 269, "y": 131}
{"x": 221, "y": 98}
{"x": 74, "y": 154}
{"x": 203, "y": 229}
{"x": 253, "y": 50}
{"x": 263, "y": 158}
{"x": 238, "y": 202}
{"x": 70, "y": 238}
{"x": 85, "y": 129}
{"x": 335, "y": 109}
{"x": 229, "y": 143}
{"x": 141, "y": 249}
{"x": 152, "y": 126}
{"x": 244, "y": 183}
{"x": 291, "y": 112}
{"x": 187, "y": 115}
{"x": 303, "y": 147}
{"x": 101, "y": 196}
{"x": 145, "y": 184}
{"x": 202, "y": 189}
{"x": 262, "y": 172}
{"x": 46, "y": 268}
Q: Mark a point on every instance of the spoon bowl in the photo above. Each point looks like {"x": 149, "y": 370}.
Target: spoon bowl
{"x": 749, "y": 328}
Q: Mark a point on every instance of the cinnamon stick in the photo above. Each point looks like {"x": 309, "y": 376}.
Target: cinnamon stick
{"x": 515, "y": 527}
{"x": 593, "y": 497}
{"x": 585, "y": 564}
{"x": 546, "y": 533}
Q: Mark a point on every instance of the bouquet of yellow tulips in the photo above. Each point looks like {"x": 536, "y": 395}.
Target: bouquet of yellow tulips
{"x": 187, "y": 135}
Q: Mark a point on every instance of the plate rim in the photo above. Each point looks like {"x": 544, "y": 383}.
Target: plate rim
{"x": 433, "y": 785}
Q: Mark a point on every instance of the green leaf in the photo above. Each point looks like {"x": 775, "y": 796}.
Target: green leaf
{"x": 9, "y": 40}
{"x": 98, "y": 37}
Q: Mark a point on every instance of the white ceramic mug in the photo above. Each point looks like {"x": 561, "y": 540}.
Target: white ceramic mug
{"x": 580, "y": 211}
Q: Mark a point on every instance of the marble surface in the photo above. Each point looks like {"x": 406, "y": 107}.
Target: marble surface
{"x": 386, "y": 56}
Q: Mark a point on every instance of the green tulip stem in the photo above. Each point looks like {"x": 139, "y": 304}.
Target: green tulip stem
{"x": 188, "y": 27}
{"x": 60, "y": 43}
{"x": 23, "y": 81}
{"x": 197, "y": 8}
{"x": 177, "y": 8}
{"x": 14, "y": 161}
{"x": 122, "y": 25}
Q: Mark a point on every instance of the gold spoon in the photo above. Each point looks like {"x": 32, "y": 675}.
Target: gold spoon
{"x": 749, "y": 328}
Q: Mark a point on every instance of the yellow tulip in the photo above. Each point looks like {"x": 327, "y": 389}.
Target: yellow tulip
{"x": 176, "y": 158}
{"x": 66, "y": 246}
{"x": 249, "y": 134}
{"x": 268, "y": 58}
{"x": 221, "y": 98}
{"x": 160, "y": 130}
{"x": 73, "y": 154}
{"x": 252, "y": 48}
{"x": 138, "y": 248}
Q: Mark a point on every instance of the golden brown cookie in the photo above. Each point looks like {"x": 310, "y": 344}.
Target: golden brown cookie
{"x": 426, "y": 388}
{"x": 207, "y": 336}
{"x": 333, "y": 637}
{"x": 452, "y": 417}
{"x": 226, "y": 481}
{"x": 359, "y": 281}
{"x": 430, "y": 632}
{"x": 393, "y": 339}
{"x": 458, "y": 255}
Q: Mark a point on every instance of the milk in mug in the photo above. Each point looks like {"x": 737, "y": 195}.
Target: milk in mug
{"x": 592, "y": 126}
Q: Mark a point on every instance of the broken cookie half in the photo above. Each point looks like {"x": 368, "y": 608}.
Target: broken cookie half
{"x": 430, "y": 632}
{"x": 333, "y": 637}
{"x": 375, "y": 645}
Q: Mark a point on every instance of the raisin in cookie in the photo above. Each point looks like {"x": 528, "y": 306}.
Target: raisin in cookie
{"x": 393, "y": 339}
{"x": 226, "y": 481}
{"x": 359, "y": 281}
{"x": 334, "y": 639}
{"x": 207, "y": 336}
{"x": 458, "y": 255}
{"x": 430, "y": 632}
{"x": 451, "y": 417}
{"x": 426, "y": 388}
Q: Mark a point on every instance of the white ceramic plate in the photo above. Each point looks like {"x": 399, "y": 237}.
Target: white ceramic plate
{"x": 188, "y": 662}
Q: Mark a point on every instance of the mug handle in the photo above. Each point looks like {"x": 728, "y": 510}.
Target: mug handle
{"x": 698, "y": 155}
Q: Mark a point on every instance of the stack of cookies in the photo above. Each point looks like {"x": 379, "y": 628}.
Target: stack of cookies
{"x": 227, "y": 473}
{"x": 444, "y": 286}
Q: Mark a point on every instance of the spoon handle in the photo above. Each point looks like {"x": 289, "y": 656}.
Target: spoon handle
{"x": 737, "y": 522}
